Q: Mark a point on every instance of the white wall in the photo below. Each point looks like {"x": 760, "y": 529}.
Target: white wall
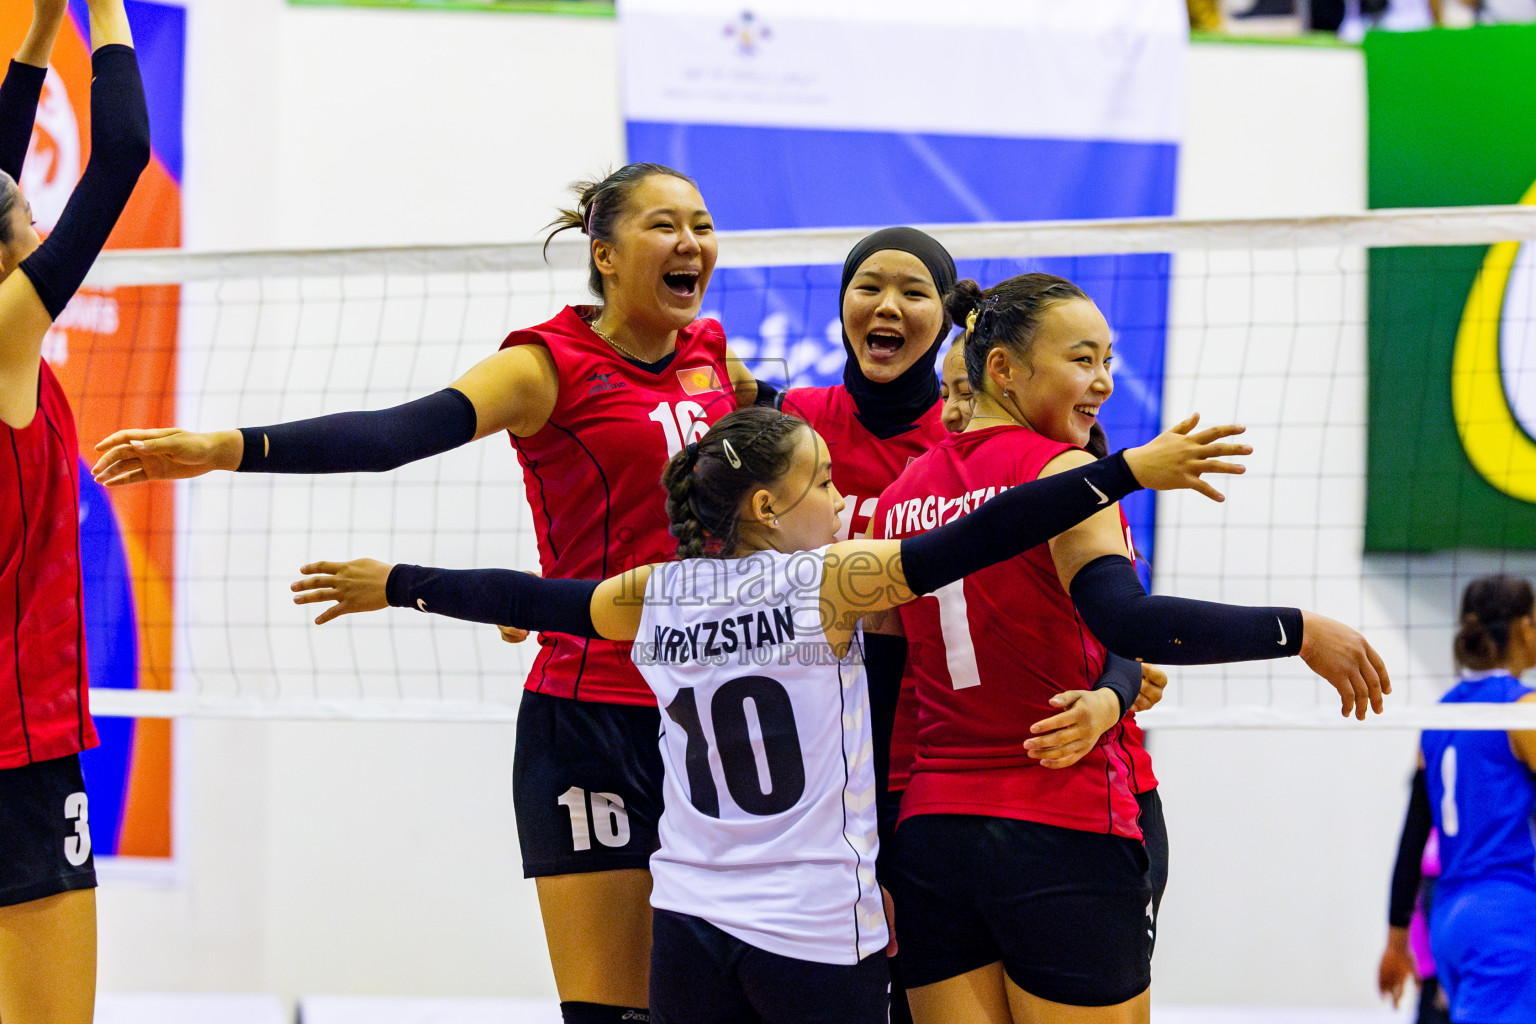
{"x": 372, "y": 858}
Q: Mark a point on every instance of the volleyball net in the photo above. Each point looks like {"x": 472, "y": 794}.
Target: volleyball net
{"x": 1378, "y": 362}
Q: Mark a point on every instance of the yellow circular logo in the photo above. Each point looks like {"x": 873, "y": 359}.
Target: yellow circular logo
{"x": 1493, "y": 370}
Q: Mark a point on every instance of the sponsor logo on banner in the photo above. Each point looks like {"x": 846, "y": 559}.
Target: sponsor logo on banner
{"x": 748, "y": 33}
{"x": 698, "y": 380}
{"x": 1493, "y": 369}
{"x": 1451, "y": 415}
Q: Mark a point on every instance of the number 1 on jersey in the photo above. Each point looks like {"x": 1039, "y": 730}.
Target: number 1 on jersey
{"x": 955, "y": 625}
{"x": 1450, "y": 818}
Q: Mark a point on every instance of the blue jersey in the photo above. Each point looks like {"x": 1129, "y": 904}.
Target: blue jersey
{"x": 1481, "y": 794}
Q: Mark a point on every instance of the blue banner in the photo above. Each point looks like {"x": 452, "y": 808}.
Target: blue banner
{"x": 794, "y": 117}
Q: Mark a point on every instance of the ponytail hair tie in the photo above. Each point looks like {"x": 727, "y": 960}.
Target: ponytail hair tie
{"x": 586, "y": 226}
{"x": 692, "y": 450}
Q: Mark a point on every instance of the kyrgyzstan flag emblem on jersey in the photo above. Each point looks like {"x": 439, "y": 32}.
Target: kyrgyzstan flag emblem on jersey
{"x": 698, "y": 380}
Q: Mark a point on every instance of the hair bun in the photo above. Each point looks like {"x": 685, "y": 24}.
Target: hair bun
{"x": 962, "y": 299}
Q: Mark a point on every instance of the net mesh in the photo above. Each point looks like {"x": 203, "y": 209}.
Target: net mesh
{"x": 1268, "y": 323}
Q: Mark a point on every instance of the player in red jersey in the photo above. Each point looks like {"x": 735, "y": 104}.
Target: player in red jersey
{"x": 886, "y": 411}
{"x": 889, "y": 409}
{"x": 884, "y": 414}
{"x": 47, "y": 873}
{"x": 956, "y": 392}
{"x": 993, "y": 853}
{"x": 596, "y": 400}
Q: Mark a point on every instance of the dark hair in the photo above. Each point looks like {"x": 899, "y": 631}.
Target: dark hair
{"x": 598, "y": 206}
{"x": 705, "y": 484}
{"x": 10, "y": 195}
{"x": 1007, "y": 314}
{"x": 1488, "y": 606}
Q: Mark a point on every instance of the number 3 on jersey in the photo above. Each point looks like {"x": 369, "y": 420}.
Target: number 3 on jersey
{"x": 681, "y": 422}
{"x": 77, "y": 848}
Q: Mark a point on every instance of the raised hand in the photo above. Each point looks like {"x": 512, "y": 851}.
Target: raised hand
{"x": 355, "y": 586}
{"x": 1061, "y": 740}
{"x": 47, "y": 19}
{"x": 1344, "y": 658}
{"x": 1176, "y": 458}
{"x": 167, "y": 453}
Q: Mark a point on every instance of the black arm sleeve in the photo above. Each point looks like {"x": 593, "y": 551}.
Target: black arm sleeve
{"x": 1175, "y": 630}
{"x": 1013, "y": 522}
{"x": 500, "y": 597}
{"x": 362, "y": 442}
{"x": 1123, "y": 676}
{"x": 119, "y": 153}
{"x": 19, "y": 94}
{"x": 885, "y": 658}
{"x": 1410, "y": 853}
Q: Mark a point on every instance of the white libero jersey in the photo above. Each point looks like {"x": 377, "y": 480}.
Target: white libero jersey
{"x": 769, "y": 831}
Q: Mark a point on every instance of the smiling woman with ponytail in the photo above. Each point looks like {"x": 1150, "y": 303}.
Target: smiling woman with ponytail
{"x": 590, "y": 457}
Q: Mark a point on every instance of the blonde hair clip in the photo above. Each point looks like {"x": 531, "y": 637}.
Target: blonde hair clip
{"x": 730, "y": 455}
{"x": 970, "y": 320}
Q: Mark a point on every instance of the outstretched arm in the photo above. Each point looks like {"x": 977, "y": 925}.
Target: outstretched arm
{"x": 1179, "y": 631}
{"x": 867, "y": 576}
{"x": 609, "y": 609}
{"x": 515, "y": 390}
{"x": 32, "y": 298}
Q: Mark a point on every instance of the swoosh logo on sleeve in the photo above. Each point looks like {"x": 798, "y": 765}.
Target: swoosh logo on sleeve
{"x": 1281, "y": 641}
{"x": 423, "y": 606}
{"x": 1103, "y": 498}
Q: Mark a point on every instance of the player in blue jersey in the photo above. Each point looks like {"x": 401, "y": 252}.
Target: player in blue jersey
{"x": 1482, "y": 792}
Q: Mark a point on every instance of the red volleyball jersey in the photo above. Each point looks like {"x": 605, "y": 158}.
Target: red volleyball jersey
{"x": 593, "y": 475}
{"x": 992, "y": 649}
{"x": 863, "y": 466}
{"x": 44, "y": 710}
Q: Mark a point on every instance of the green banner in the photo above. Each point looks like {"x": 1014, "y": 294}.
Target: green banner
{"x": 1450, "y": 459}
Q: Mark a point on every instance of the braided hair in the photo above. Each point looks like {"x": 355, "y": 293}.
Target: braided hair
{"x": 707, "y": 481}
{"x": 1489, "y": 606}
